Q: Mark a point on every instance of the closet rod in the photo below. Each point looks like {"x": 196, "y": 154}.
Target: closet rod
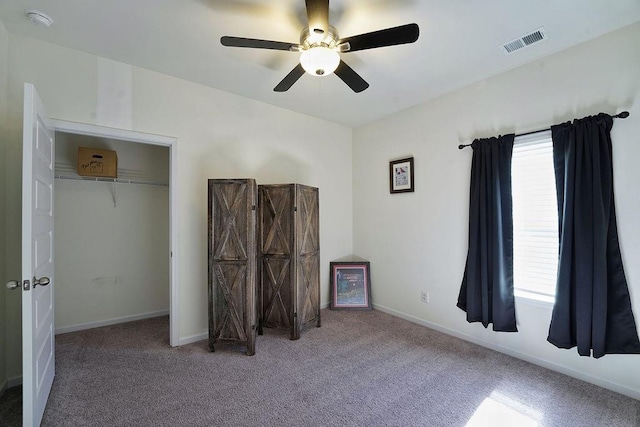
{"x": 622, "y": 115}
{"x": 111, "y": 180}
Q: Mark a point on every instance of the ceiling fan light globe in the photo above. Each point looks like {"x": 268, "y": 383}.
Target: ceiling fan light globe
{"x": 320, "y": 61}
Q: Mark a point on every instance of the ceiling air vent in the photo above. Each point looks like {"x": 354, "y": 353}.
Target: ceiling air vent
{"x": 524, "y": 41}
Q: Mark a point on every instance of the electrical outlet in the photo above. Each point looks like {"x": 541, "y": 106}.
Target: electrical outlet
{"x": 424, "y": 297}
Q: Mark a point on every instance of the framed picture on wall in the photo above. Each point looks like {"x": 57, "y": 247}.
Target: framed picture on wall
{"x": 401, "y": 175}
{"x": 350, "y": 286}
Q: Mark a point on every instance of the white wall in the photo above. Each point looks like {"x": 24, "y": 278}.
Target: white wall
{"x": 4, "y": 55}
{"x": 418, "y": 241}
{"x": 111, "y": 260}
{"x": 219, "y": 135}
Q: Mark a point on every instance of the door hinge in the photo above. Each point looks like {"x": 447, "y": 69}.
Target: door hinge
{"x": 26, "y": 285}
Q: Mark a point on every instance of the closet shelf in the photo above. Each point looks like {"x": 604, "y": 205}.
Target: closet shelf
{"x": 111, "y": 180}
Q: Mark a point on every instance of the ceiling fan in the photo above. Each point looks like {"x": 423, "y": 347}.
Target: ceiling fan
{"x": 320, "y": 47}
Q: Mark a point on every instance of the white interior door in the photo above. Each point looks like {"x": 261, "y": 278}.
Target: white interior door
{"x": 38, "y": 353}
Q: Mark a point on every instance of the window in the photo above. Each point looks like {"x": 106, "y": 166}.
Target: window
{"x": 535, "y": 217}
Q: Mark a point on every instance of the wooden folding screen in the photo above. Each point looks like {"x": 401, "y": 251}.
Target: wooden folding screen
{"x": 289, "y": 257}
{"x": 232, "y": 262}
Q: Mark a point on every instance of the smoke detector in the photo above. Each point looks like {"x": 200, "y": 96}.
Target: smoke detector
{"x": 39, "y": 18}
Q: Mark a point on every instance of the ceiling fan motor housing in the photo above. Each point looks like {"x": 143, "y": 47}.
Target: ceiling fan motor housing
{"x": 310, "y": 38}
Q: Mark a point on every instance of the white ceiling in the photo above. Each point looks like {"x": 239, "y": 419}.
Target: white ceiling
{"x": 459, "y": 43}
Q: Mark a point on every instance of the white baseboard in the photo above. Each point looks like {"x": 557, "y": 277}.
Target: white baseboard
{"x": 108, "y": 322}
{"x": 14, "y": 381}
{"x": 633, "y": 393}
{"x": 193, "y": 338}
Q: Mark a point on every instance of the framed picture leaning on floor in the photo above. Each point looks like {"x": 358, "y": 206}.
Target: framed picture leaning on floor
{"x": 350, "y": 286}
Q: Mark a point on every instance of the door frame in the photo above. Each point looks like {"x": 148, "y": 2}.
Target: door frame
{"x": 151, "y": 139}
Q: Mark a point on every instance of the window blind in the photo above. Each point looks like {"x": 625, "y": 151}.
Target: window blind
{"x": 535, "y": 215}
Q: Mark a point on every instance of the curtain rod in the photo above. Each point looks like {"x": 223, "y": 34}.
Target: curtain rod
{"x": 622, "y": 115}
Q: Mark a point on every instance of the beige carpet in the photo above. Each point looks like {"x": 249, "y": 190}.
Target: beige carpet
{"x": 358, "y": 369}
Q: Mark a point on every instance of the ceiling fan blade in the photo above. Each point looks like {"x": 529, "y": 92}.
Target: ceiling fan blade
{"x": 388, "y": 37}
{"x": 318, "y": 15}
{"x": 257, "y": 43}
{"x": 290, "y": 79}
{"x": 351, "y": 78}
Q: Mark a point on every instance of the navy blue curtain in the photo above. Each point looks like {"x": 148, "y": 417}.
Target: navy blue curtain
{"x": 486, "y": 293}
{"x": 592, "y": 309}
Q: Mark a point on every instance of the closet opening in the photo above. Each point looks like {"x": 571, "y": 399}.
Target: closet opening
{"x": 114, "y": 237}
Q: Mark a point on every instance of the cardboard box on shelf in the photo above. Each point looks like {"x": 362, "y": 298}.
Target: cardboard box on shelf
{"x": 97, "y": 162}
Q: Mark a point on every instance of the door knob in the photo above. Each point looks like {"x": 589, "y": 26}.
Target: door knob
{"x": 43, "y": 281}
{"x": 14, "y": 284}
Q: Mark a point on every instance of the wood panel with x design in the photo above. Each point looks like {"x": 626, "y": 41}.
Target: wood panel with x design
{"x": 230, "y": 321}
{"x": 308, "y": 210}
{"x": 308, "y": 274}
{"x": 276, "y": 306}
{"x": 276, "y": 240}
{"x": 228, "y": 225}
